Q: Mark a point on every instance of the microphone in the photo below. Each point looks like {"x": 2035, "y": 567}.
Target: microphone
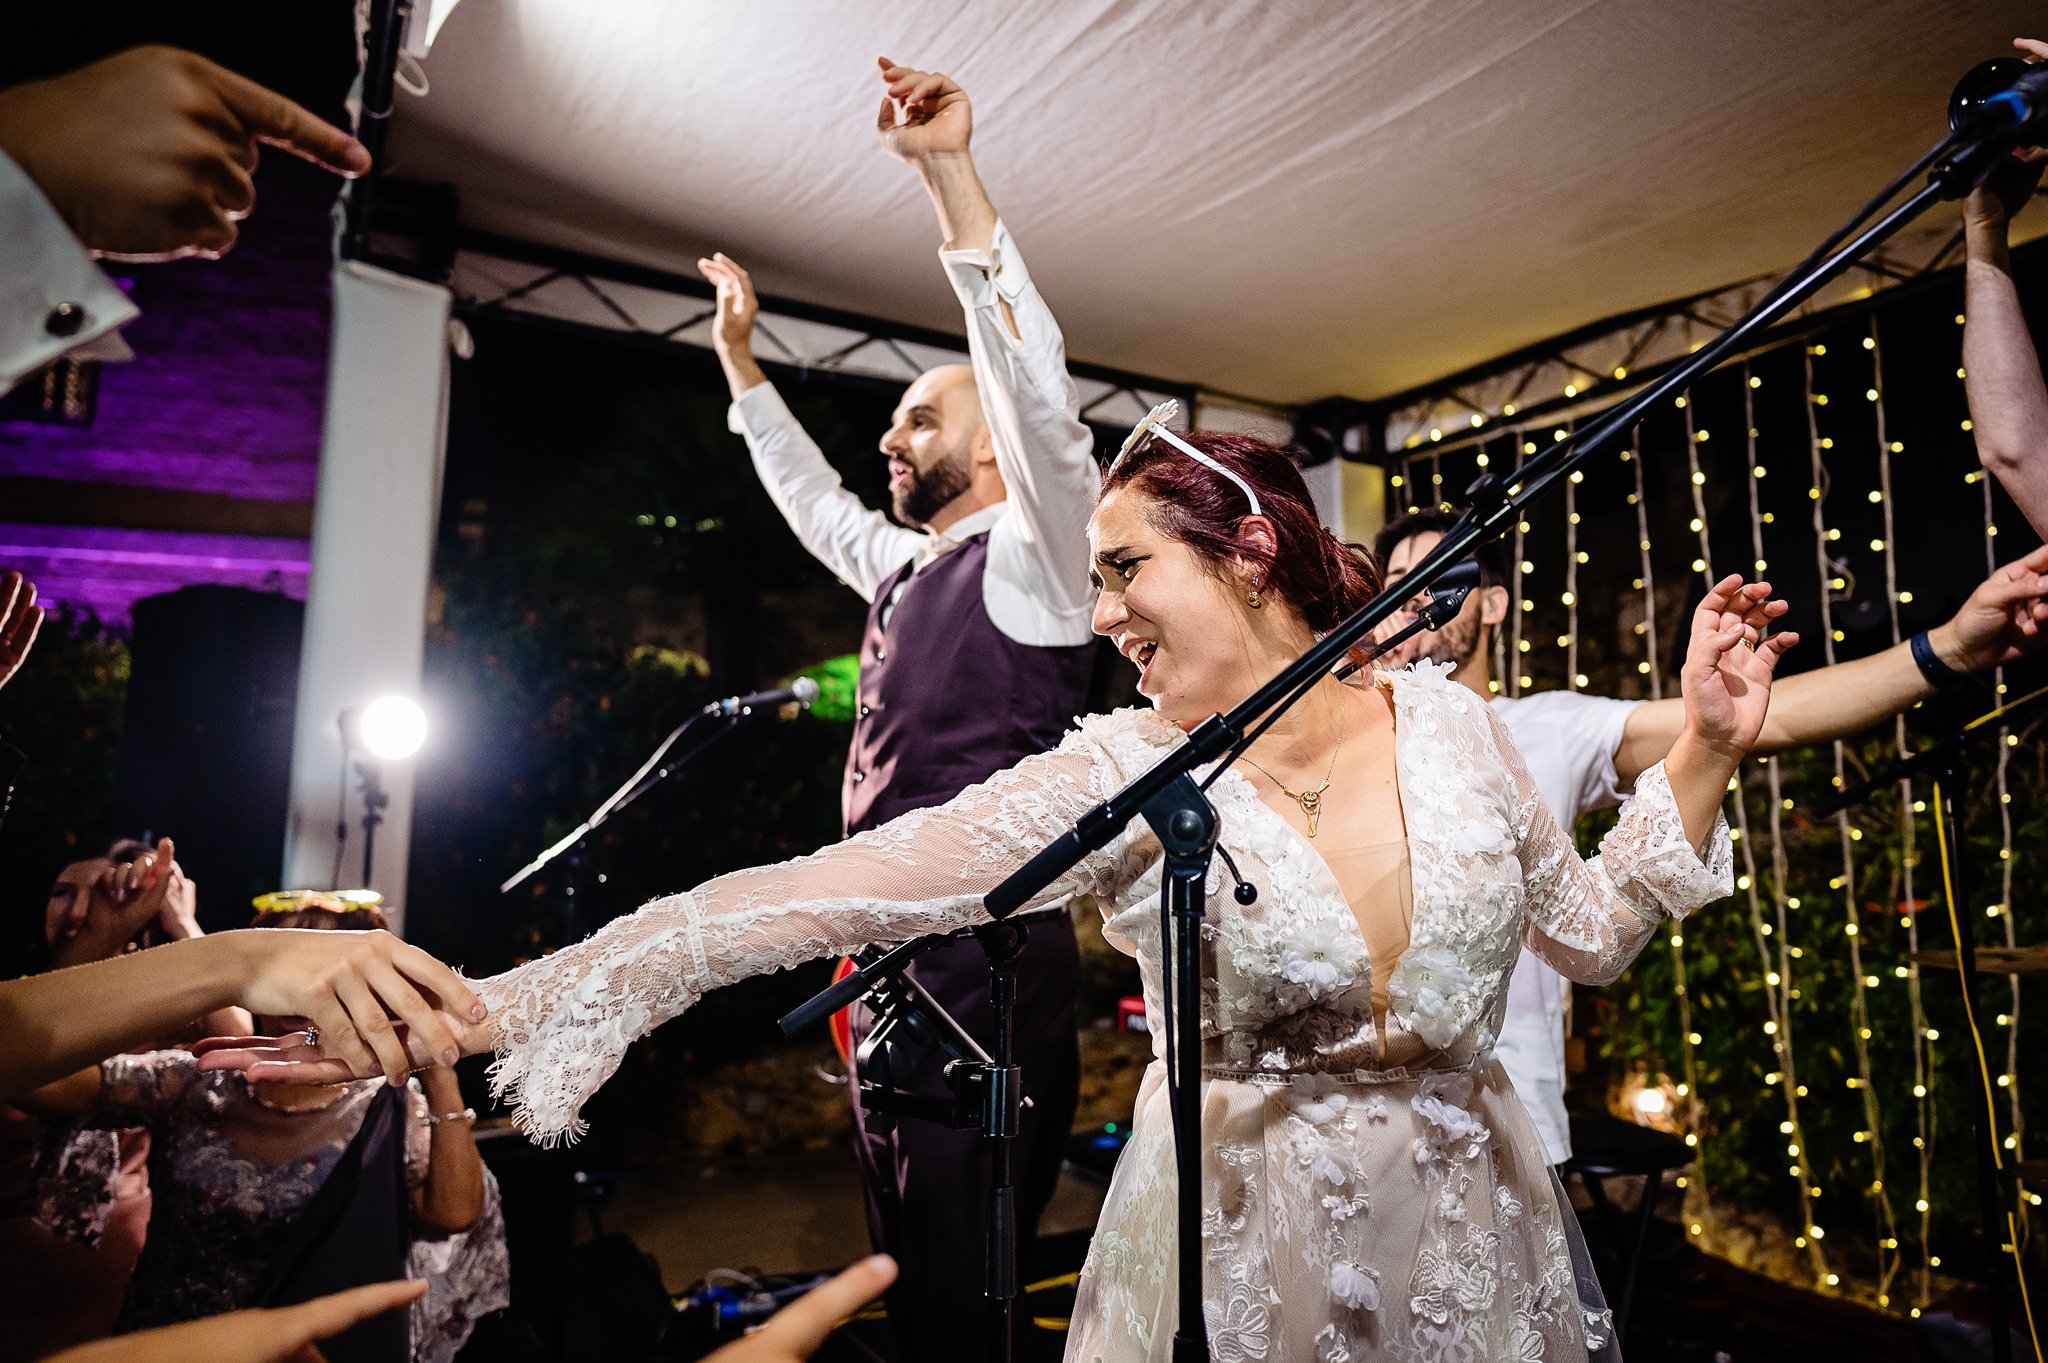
{"x": 803, "y": 691}
{"x": 1447, "y": 594}
{"x": 2004, "y": 94}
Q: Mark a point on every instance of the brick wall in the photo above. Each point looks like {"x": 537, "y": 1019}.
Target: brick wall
{"x": 216, "y": 422}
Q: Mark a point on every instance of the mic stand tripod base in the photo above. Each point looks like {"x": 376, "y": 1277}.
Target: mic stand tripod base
{"x": 987, "y": 1091}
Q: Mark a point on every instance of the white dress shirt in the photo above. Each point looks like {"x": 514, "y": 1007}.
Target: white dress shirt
{"x": 1568, "y": 739}
{"x": 1036, "y": 584}
{"x": 53, "y": 298}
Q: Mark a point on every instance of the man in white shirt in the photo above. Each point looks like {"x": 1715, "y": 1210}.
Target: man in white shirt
{"x": 977, "y": 653}
{"x": 1585, "y": 752}
{"x": 145, "y": 155}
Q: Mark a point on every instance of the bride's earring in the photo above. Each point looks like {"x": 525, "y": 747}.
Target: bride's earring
{"x": 1252, "y": 597}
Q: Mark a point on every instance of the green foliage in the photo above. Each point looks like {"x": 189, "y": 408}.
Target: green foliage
{"x": 64, "y": 711}
{"x": 1743, "y": 1153}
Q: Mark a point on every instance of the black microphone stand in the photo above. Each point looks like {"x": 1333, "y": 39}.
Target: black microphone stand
{"x": 656, "y": 769}
{"x": 1167, "y": 796}
{"x": 987, "y": 1089}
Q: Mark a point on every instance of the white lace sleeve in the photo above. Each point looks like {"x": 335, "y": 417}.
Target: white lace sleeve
{"x": 560, "y": 1024}
{"x": 1589, "y": 919}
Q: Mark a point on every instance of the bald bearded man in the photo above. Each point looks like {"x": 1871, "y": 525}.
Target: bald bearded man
{"x": 977, "y": 654}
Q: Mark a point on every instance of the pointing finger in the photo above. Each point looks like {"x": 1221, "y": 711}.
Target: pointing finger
{"x": 800, "y": 1328}
{"x": 270, "y": 117}
{"x": 330, "y": 1315}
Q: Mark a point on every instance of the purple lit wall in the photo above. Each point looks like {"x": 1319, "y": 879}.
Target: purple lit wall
{"x": 201, "y": 462}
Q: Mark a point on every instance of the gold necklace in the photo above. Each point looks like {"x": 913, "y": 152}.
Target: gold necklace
{"x": 1311, "y": 801}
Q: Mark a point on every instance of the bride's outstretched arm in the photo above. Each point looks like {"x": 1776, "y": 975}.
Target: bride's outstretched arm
{"x": 560, "y": 1024}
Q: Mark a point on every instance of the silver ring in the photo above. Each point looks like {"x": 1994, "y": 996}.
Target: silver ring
{"x": 312, "y": 1035}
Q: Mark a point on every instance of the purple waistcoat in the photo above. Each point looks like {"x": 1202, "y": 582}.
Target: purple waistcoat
{"x": 946, "y": 699}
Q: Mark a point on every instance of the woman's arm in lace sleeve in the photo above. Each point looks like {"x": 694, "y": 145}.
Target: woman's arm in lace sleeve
{"x": 1589, "y": 919}
{"x": 560, "y": 1024}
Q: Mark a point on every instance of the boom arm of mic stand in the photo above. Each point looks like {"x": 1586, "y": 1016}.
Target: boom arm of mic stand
{"x": 638, "y": 784}
{"x": 1493, "y": 512}
{"x": 828, "y": 1001}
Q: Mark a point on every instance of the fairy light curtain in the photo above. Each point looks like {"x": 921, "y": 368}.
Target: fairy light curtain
{"x": 1806, "y": 1054}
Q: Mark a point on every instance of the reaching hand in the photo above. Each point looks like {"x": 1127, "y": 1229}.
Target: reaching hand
{"x": 2005, "y": 619}
{"x": 2000, "y": 198}
{"x": 123, "y": 901}
{"x": 276, "y": 1335}
{"x": 180, "y": 916}
{"x": 733, "y": 329}
{"x": 1727, "y": 674}
{"x": 798, "y": 1329}
{"x": 147, "y": 154}
{"x": 20, "y": 618}
{"x": 377, "y": 1005}
{"x": 924, "y": 114}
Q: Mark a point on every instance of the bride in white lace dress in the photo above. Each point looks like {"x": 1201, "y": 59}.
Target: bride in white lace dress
{"x": 1372, "y": 1188}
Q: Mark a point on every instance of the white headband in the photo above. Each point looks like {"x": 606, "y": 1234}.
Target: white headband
{"x": 1155, "y": 424}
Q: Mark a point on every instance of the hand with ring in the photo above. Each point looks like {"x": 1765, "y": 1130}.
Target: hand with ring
{"x": 1728, "y": 689}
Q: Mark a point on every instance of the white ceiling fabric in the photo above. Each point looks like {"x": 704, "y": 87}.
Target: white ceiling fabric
{"x": 1285, "y": 200}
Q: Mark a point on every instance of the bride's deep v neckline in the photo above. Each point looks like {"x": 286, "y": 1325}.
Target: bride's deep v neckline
{"x": 1322, "y": 875}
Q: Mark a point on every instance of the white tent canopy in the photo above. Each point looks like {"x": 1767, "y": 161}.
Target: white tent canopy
{"x": 1285, "y": 199}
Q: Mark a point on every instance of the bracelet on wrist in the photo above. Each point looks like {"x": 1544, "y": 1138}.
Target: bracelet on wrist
{"x": 467, "y": 1114}
{"x": 1937, "y": 672}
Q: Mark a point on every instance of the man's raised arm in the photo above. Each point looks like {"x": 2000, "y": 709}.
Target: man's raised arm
{"x": 857, "y": 542}
{"x": 1044, "y": 451}
{"x": 2008, "y": 402}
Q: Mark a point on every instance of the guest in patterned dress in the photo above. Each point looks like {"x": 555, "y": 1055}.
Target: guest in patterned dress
{"x": 238, "y": 1166}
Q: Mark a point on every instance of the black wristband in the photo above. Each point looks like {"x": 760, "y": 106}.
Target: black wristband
{"x": 1937, "y": 672}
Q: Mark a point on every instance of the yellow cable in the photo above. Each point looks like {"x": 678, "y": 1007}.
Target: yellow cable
{"x": 1948, "y": 894}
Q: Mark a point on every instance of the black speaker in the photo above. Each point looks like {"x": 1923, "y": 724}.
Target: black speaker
{"x": 207, "y": 748}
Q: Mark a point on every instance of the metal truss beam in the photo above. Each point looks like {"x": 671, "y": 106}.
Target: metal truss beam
{"x": 497, "y": 276}
{"x": 1592, "y": 368}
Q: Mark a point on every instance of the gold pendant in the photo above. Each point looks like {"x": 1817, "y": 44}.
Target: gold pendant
{"x": 1312, "y": 806}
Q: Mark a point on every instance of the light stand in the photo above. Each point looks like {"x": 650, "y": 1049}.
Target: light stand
{"x": 375, "y": 801}
{"x": 389, "y": 728}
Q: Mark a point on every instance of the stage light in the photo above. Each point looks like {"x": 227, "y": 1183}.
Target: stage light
{"x": 393, "y": 727}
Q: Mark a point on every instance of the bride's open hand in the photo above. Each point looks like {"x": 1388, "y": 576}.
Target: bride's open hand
{"x": 1729, "y": 664}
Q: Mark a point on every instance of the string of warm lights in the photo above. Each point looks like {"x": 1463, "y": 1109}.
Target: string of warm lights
{"x": 1834, "y": 580}
{"x": 1884, "y": 1217}
{"x": 1688, "y": 1039}
{"x": 1519, "y": 602}
{"x": 2015, "y": 1141}
{"x": 1573, "y": 557}
{"x": 1778, "y": 990}
{"x": 1647, "y": 583}
{"x": 1501, "y": 677}
{"x": 1778, "y": 983}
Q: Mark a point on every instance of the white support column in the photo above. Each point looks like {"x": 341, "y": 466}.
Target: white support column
{"x": 373, "y": 541}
